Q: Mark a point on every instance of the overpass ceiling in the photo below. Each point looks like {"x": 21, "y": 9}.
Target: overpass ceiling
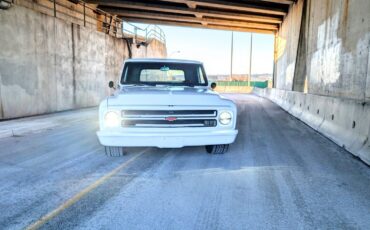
{"x": 260, "y": 16}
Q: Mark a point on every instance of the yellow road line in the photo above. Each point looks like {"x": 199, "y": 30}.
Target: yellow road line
{"x": 37, "y": 224}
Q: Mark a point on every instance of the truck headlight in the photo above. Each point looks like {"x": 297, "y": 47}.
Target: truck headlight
{"x": 112, "y": 119}
{"x": 225, "y": 118}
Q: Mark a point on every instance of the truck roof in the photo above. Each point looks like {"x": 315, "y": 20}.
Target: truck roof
{"x": 163, "y": 60}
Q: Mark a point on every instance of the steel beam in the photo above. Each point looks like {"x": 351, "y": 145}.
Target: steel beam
{"x": 113, "y": 6}
{"x": 197, "y": 25}
{"x": 206, "y": 21}
{"x": 264, "y": 15}
{"x": 229, "y": 5}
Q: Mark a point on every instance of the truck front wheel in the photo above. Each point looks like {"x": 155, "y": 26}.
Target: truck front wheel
{"x": 114, "y": 151}
{"x": 217, "y": 149}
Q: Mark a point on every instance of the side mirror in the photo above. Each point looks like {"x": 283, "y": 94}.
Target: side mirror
{"x": 213, "y": 85}
{"x": 111, "y": 84}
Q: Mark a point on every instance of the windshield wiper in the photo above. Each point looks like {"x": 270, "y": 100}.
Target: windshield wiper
{"x": 162, "y": 85}
{"x": 175, "y": 85}
{"x": 189, "y": 84}
{"x": 137, "y": 84}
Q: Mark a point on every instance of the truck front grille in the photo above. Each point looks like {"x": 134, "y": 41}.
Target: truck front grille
{"x": 169, "y": 118}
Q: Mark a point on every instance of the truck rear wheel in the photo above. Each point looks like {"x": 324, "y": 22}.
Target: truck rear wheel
{"x": 114, "y": 151}
{"x": 217, "y": 149}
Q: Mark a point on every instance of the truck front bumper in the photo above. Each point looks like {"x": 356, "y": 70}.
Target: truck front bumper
{"x": 166, "y": 140}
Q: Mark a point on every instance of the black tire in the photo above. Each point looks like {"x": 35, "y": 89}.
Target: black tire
{"x": 217, "y": 149}
{"x": 114, "y": 151}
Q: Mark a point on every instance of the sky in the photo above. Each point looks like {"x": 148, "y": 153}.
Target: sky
{"x": 212, "y": 47}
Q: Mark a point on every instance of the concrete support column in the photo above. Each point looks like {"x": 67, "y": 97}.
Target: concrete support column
{"x": 300, "y": 72}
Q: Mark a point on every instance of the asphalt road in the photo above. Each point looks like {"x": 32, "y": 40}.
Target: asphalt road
{"x": 279, "y": 174}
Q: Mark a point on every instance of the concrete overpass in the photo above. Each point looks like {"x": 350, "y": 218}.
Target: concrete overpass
{"x": 280, "y": 173}
{"x": 249, "y": 16}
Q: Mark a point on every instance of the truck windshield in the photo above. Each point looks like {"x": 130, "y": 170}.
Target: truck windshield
{"x": 163, "y": 73}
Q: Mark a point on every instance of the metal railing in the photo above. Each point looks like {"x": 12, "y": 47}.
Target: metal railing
{"x": 119, "y": 26}
{"x": 110, "y": 24}
{"x": 147, "y": 34}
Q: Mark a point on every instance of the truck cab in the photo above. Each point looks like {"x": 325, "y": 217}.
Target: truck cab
{"x": 166, "y": 103}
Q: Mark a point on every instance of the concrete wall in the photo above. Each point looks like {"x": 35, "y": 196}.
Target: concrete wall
{"x": 344, "y": 121}
{"x": 48, "y": 64}
{"x": 322, "y": 70}
{"x": 330, "y": 48}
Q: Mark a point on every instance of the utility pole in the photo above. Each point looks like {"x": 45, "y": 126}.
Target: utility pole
{"x": 231, "y": 57}
{"x": 250, "y": 62}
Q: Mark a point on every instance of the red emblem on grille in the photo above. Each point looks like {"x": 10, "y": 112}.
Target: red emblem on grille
{"x": 171, "y": 118}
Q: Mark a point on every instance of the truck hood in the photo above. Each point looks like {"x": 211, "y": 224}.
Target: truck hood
{"x": 165, "y": 96}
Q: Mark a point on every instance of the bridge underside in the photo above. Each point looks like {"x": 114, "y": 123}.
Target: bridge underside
{"x": 262, "y": 16}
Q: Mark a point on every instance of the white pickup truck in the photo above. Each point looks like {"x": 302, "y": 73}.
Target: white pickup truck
{"x": 166, "y": 103}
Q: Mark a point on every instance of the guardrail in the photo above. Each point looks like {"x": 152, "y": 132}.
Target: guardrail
{"x": 344, "y": 121}
{"x": 239, "y": 86}
{"x": 85, "y": 15}
{"x": 258, "y": 84}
